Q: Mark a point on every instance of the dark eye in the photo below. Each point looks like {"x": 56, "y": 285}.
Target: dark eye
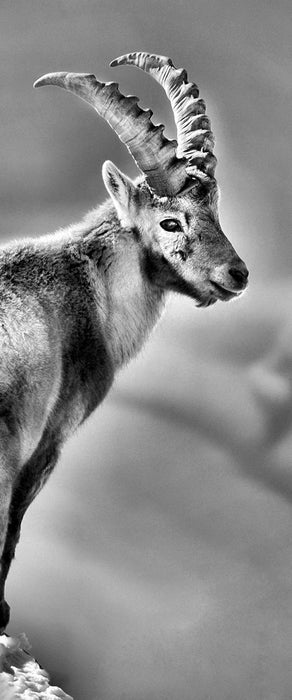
{"x": 170, "y": 225}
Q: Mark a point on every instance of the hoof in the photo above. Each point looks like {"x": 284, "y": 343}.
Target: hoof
{"x": 4, "y": 615}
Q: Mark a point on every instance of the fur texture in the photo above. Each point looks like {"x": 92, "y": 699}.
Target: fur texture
{"x": 78, "y": 304}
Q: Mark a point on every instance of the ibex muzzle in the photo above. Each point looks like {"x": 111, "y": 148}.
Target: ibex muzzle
{"x": 78, "y": 304}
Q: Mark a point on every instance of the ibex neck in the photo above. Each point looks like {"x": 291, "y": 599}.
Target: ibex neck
{"x": 128, "y": 303}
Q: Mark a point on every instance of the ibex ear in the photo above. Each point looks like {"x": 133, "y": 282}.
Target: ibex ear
{"x": 122, "y": 191}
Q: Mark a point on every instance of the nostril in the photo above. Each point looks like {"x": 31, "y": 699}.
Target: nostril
{"x": 239, "y": 274}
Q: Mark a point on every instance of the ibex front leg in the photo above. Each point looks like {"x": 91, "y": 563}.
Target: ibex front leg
{"x": 28, "y": 484}
{"x": 8, "y": 468}
{"x": 5, "y": 497}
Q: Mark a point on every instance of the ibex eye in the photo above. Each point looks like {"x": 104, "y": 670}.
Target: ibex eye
{"x": 170, "y": 225}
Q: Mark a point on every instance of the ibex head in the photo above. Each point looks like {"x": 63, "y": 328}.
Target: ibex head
{"x": 173, "y": 207}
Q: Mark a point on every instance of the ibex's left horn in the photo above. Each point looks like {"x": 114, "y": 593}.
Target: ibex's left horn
{"x": 194, "y": 135}
{"x": 154, "y": 154}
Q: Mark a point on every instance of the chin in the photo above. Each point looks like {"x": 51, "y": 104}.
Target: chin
{"x": 204, "y": 294}
{"x": 208, "y": 297}
{"x": 203, "y": 304}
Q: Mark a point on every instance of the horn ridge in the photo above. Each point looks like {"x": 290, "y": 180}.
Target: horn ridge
{"x": 154, "y": 154}
{"x": 186, "y": 104}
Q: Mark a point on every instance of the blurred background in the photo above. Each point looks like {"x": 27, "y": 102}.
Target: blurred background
{"x": 156, "y": 563}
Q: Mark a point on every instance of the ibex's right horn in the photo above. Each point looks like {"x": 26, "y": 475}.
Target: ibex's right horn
{"x": 194, "y": 135}
{"x": 154, "y": 154}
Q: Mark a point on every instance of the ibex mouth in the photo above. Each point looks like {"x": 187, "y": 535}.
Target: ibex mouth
{"x": 224, "y": 294}
{"x": 216, "y": 293}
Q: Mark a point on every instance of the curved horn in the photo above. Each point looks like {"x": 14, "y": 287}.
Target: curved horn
{"x": 194, "y": 135}
{"x": 154, "y": 154}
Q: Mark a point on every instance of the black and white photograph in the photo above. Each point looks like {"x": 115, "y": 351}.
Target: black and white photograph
{"x": 145, "y": 350}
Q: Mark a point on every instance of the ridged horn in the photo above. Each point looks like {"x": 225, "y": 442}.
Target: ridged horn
{"x": 154, "y": 154}
{"x": 194, "y": 136}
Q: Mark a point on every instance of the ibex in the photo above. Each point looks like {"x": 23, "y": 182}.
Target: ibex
{"x": 78, "y": 304}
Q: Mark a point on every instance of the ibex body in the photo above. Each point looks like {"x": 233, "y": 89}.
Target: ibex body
{"x": 76, "y": 305}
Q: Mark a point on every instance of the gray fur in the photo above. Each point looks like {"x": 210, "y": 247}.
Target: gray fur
{"x": 77, "y": 305}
